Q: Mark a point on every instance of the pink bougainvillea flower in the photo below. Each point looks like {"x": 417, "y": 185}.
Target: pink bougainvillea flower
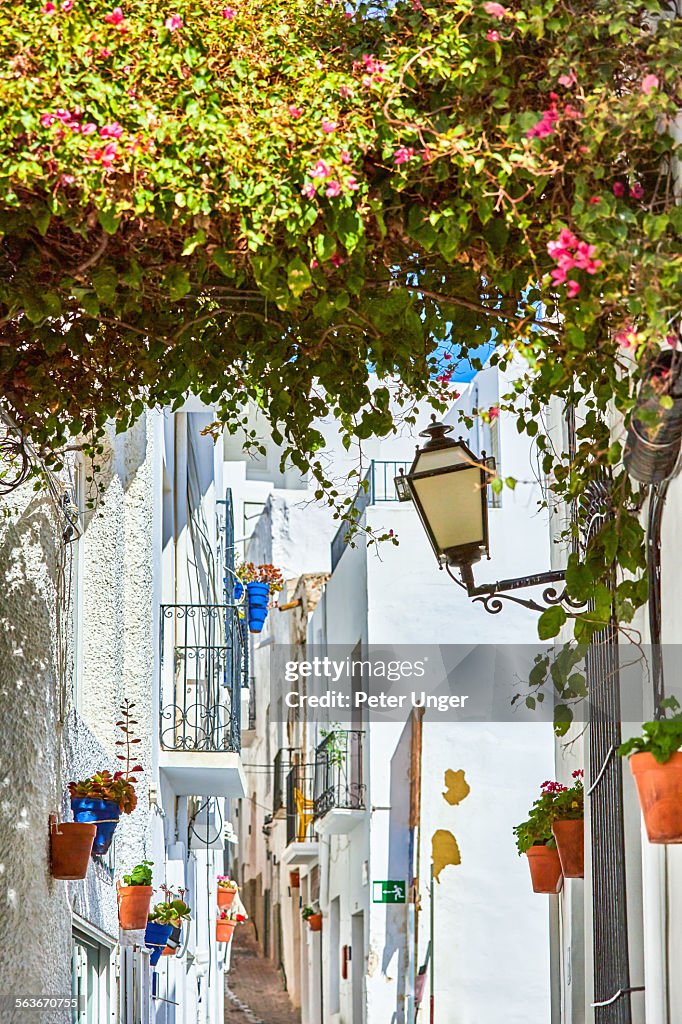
{"x": 88, "y": 129}
{"x": 447, "y": 355}
{"x": 594, "y": 200}
{"x": 174, "y": 23}
{"x": 494, "y": 412}
{"x": 105, "y": 156}
{"x": 67, "y": 5}
{"x": 104, "y": 53}
{"x": 344, "y": 156}
{"x": 294, "y": 112}
{"x": 492, "y": 35}
{"x": 338, "y": 260}
{"x": 637, "y": 191}
{"x": 320, "y": 170}
{"x": 649, "y": 82}
{"x": 403, "y": 154}
{"x": 572, "y": 289}
{"x": 111, "y": 131}
{"x": 333, "y": 189}
{"x": 49, "y": 8}
{"x": 47, "y": 120}
{"x": 618, "y": 189}
{"x": 314, "y": 264}
{"x": 352, "y": 184}
{"x": 309, "y": 191}
{"x": 345, "y": 91}
{"x": 627, "y": 337}
{"x": 229, "y": 13}
{"x": 115, "y": 18}
{"x": 571, "y": 113}
{"x": 568, "y": 80}
{"x": 495, "y": 10}
{"x": 329, "y": 126}
{"x": 66, "y": 179}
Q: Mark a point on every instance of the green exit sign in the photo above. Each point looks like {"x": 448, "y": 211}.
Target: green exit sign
{"x": 390, "y": 891}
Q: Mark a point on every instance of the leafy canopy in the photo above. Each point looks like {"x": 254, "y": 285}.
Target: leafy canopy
{"x": 264, "y": 201}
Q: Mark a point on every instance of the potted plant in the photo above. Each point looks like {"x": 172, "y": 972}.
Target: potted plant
{"x": 534, "y": 838}
{"x": 313, "y": 918}
{"x": 226, "y": 922}
{"x": 158, "y": 930}
{"x": 227, "y": 890}
{"x": 568, "y": 827}
{"x": 260, "y": 581}
{"x": 656, "y": 764}
{"x": 135, "y": 896}
{"x": 70, "y": 848}
{"x": 180, "y": 913}
{"x": 104, "y": 796}
{"x": 653, "y": 441}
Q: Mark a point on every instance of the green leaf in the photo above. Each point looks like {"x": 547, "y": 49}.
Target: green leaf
{"x": 551, "y": 621}
{"x": 177, "y": 282}
{"x": 298, "y": 276}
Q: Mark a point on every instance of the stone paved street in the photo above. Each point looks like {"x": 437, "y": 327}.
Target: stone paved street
{"x": 253, "y": 987}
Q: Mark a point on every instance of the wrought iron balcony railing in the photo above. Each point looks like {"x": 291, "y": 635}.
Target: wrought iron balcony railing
{"x": 339, "y": 772}
{"x": 202, "y": 661}
{"x": 300, "y": 804}
{"x": 377, "y": 486}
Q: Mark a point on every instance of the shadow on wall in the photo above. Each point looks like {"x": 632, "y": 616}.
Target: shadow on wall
{"x": 121, "y": 462}
{"x": 34, "y": 911}
{"x": 399, "y": 867}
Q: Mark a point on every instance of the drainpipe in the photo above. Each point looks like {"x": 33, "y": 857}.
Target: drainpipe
{"x": 655, "y": 914}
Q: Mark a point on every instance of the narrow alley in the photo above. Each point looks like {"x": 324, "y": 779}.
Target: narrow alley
{"x": 254, "y": 992}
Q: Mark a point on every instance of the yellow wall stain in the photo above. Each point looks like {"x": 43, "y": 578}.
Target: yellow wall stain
{"x": 444, "y": 851}
{"x": 456, "y": 787}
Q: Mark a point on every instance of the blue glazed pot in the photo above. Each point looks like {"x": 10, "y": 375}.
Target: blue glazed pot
{"x": 238, "y": 590}
{"x": 258, "y": 595}
{"x": 155, "y": 938}
{"x": 103, "y": 813}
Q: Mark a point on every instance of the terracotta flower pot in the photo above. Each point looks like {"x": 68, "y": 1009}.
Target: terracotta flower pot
{"x": 226, "y": 897}
{"x": 545, "y": 869}
{"x": 70, "y": 849}
{"x": 133, "y": 906}
{"x": 659, "y": 787}
{"x": 315, "y": 922}
{"x": 224, "y": 930}
{"x": 570, "y": 841}
{"x": 295, "y": 879}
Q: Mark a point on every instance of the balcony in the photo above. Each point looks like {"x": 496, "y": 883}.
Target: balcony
{"x": 202, "y": 664}
{"x": 302, "y": 842}
{"x": 339, "y": 790}
{"x": 377, "y": 486}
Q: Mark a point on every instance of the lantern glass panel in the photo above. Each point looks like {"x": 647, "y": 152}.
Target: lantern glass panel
{"x": 452, "y": 504}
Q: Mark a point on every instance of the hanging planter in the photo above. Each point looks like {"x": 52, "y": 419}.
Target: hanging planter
{"x": 260, "y": 581}
{"x": 224, "y": 930}
{"x": 70, "y": 848}
{"x": 155, "y": 938}
{"x": 135, "y": 897}
{"x": 313, "y": 918}
{"x": 227, "y": 890}
{"x": 656, "y": 767}
{"x": 545, "y": 869}
{"x": 237, "y": 590}
{"x": 655, "y": 433}
{"x": 570, "y": 843}
{"x": 105, "y": 815}
{"x": 103, "y": 797}
{"x": 559, "y": 806}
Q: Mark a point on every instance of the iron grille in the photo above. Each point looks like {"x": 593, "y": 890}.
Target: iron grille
{"x": 609, "y": 892}
{"x": 300, "y": 804}
{"x": 339, "y": 772}
{"x": 201, "y": 662}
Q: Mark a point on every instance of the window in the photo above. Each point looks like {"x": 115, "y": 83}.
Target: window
{"x": 91, "y": 978}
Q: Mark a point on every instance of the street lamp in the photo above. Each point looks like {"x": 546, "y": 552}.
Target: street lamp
{"x": 448, "y": 484}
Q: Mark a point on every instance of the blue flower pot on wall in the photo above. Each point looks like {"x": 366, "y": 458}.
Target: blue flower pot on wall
{"x": 102, "y": 813}
{"x": 258, "y": 595}
{"x": 238, "y": 590}
{"x": 155, "y": 938}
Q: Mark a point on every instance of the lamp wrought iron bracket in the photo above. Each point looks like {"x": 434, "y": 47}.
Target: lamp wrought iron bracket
{"x": 492, "y": 595}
